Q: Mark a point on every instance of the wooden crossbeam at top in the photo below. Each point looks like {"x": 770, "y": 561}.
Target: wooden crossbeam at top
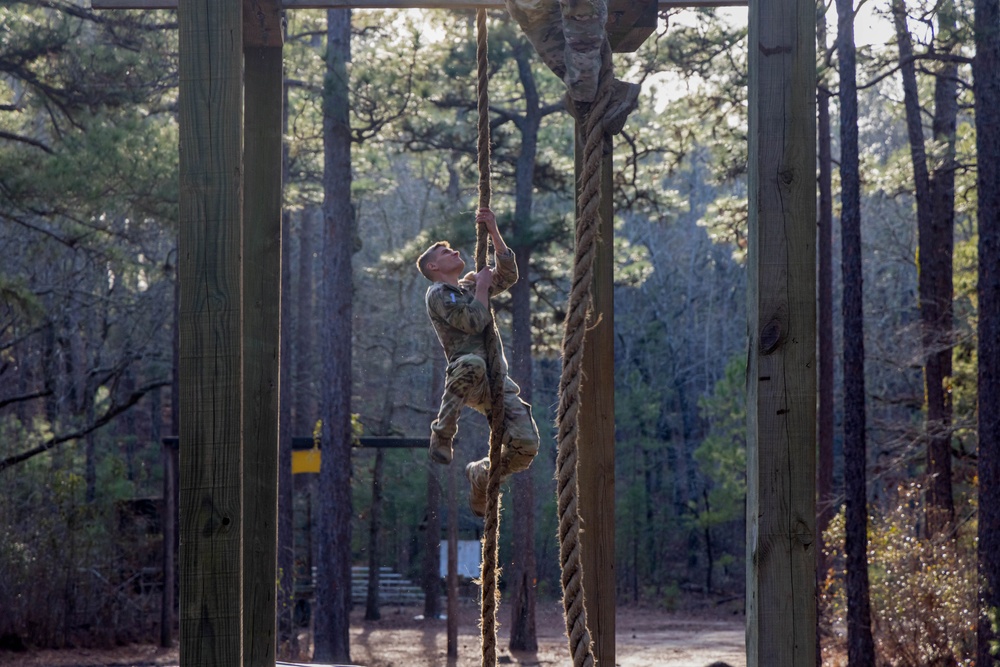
{"x": 393, "y": 4}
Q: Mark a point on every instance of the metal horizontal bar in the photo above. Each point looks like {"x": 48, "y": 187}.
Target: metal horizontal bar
{"x": 305, "y": 442}
{"x": 393, "y": 4}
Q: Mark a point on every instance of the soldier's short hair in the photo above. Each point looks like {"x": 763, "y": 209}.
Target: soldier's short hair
{"x": 425, "y": 258}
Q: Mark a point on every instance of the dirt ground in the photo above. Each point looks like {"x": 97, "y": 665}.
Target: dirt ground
{"x": 644, "y": 638}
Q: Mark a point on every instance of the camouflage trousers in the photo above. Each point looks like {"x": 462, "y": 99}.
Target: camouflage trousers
{"x": 466, "y": 383}
{"x": 568, "y": 35}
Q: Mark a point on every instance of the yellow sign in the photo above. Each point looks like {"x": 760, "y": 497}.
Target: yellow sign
{"x": 305, "y": 460}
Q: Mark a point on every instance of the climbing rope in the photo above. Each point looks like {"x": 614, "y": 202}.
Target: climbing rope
{"x": 568, "y": 414}
{"x": 497, "y": 378}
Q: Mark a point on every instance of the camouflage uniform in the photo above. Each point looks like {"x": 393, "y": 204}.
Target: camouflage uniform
{"x": 459, "y": 321}
{"x": 568, "y": 35}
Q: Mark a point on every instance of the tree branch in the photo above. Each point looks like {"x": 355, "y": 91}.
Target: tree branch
{"x": 113, "y": 411}
{"x": 25, "y": 397}
{"x": 25, "y": 140}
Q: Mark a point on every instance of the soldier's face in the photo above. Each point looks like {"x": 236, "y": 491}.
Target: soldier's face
{"x": 448, "y": 260}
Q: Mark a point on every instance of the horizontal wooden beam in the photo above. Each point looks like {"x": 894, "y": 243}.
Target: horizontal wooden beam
{"x": 631, "y": 23}
{"x": 394, "y": 4}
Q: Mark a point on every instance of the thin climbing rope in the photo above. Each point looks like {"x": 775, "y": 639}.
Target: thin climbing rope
{"x": 568, "y": 414}
{"x": 490, "y": 569}
{"x": 567, "y": 417}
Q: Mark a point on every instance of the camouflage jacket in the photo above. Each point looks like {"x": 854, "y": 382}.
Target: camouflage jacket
{"x": 458, "y": 319}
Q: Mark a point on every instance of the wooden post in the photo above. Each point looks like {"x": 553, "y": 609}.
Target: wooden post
{"x": 211, "y": 133}
{"x": 263, "y": 95}
{"x": 781, "y": 364}
{"x": 596, "y": 464}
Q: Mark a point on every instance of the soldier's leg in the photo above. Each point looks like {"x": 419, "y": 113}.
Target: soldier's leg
{"x": 464, "y": 380}
{"x": 518, "y": 453}
{"x": 478, "y": 474}
{"x": 583, "y": 30}
{"x": 518, "y": 449}
{"x": 522, "y": 432}
{"x": 568, "y": 35}
{"x": 541, "y": 22}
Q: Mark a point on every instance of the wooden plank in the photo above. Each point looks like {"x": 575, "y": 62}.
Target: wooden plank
{"x": 394, "y": 4}
{"x": 263, "y": 23}
{"x": 631, "y": 23}
{"x": 781, "y": 373}
{"x": 211, "y": 126}
{"x": 261, "y": 340}
{"x": 596, "y": 464}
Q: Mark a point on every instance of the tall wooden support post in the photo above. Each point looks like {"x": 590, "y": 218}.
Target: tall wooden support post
{"x": 781, "y": 374}
{"x": 263, "y": 95}
{"x": 211, "y": 134}
{"x": 596, "y": 464}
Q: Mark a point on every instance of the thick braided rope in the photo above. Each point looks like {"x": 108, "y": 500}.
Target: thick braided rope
{"x": 490, "y": 568}
{"x": 567, "y": 417}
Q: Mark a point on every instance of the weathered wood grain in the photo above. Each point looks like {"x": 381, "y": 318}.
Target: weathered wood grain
{"x": 596, "y": 466}
{"x": 781, "y": 369}
{"x": 261, "y": 345}
{"x": 210, "y": 117}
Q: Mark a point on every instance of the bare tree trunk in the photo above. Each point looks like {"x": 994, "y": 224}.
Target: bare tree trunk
{"x": 50, "y": 374}
{"x": 171, "y": 489}
{"x": 126, "y": 427}
{"x": 939, "y": 340}
{"x": 935, "y": 195}
{"x": 333, "y": 585}
{"x": 432, "y": 545}
{"x": 523, "y": 632}
{"x": 861, "y": 648}
{"x": 986, "y": 76}
{"x": 85, "y": 400}
{"x": 372, "y": 612}
{"x": 305, "y": 360}
{"x": 166, "y": 516}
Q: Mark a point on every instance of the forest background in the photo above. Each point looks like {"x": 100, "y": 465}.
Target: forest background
{"x": 88, "y": 236}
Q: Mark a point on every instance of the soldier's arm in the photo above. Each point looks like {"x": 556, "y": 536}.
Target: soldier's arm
{"x": 487, "y": 217}
{"x": 505, "y": 273}
{"x": 457, "y": 312}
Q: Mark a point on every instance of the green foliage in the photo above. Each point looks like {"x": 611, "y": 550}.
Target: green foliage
{"x": 74, "y": 572}
{"x": 923, "y": 591}
{"x": 964, "y": 381}
{"x": 722, "y": 456}
{"x": 632, "y": 264}
{"x": 994, "y": 615}
{"x": 692, "y": 115}
{"x": 726, "y": 221}
{"x": 642, "y": 508}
